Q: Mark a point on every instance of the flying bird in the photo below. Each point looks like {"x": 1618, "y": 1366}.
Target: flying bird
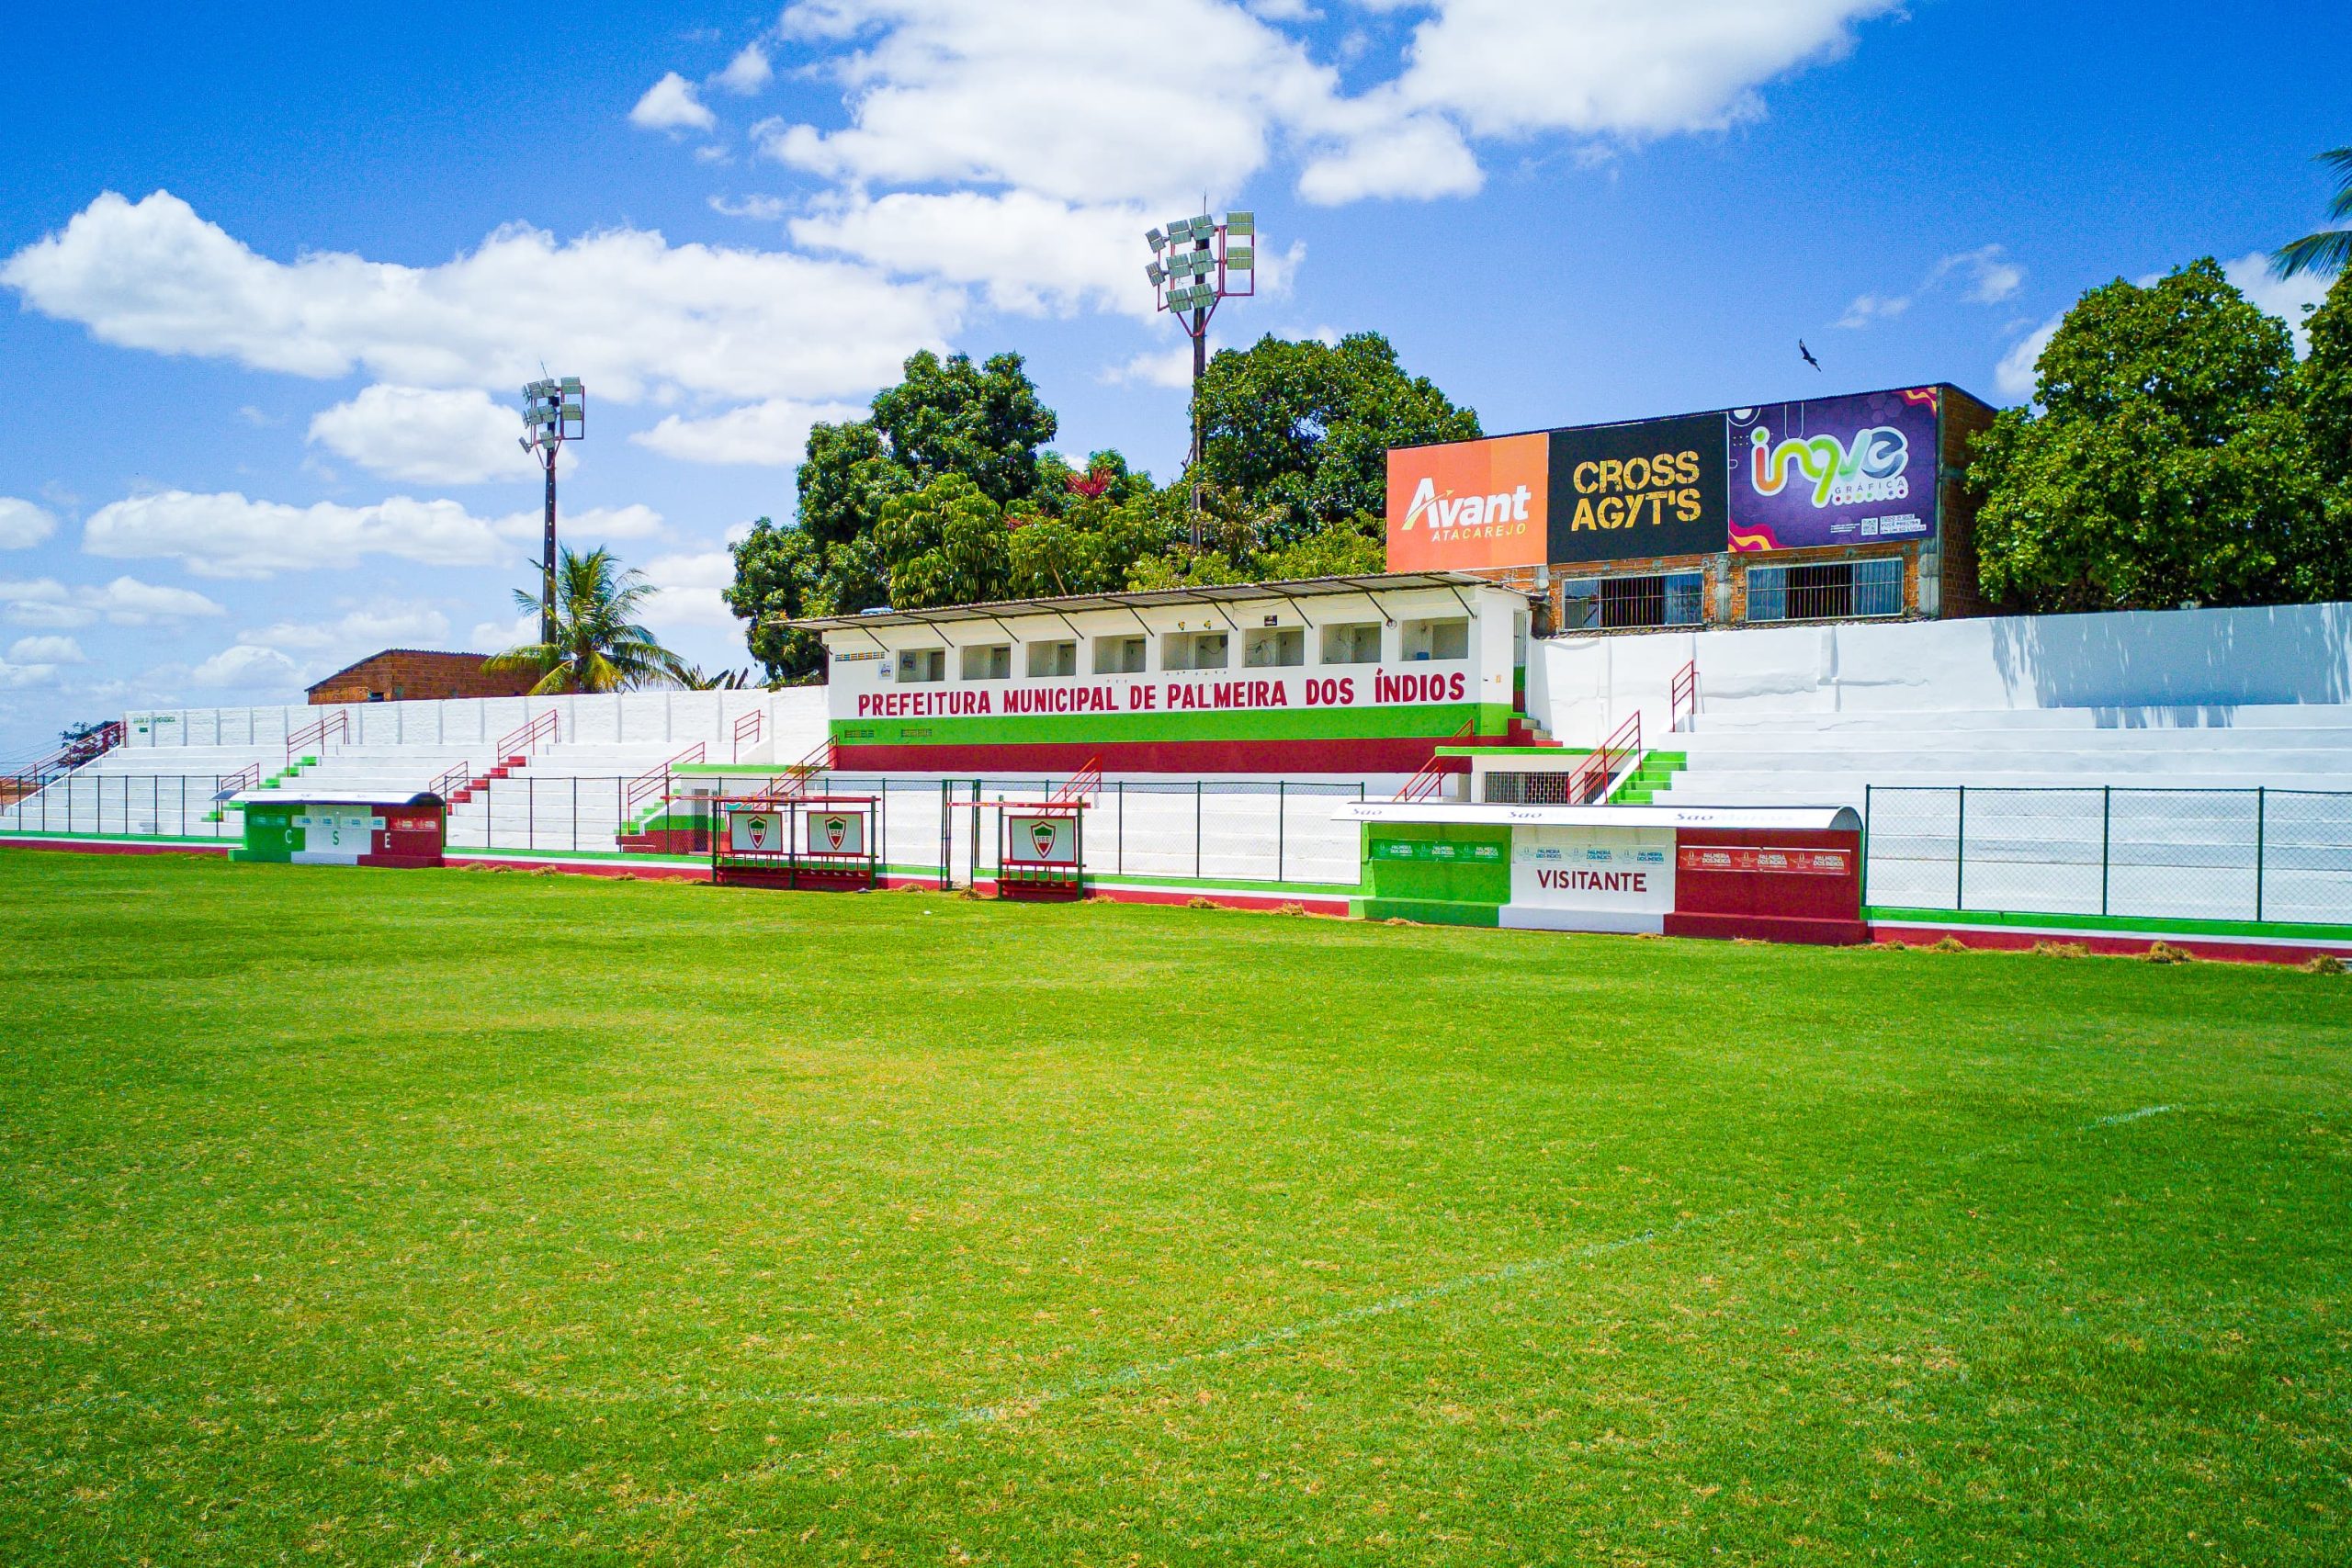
{"x": 1809, "y": 359}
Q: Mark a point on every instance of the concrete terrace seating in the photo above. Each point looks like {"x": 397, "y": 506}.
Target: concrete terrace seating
{"x": 1831, "y": 758}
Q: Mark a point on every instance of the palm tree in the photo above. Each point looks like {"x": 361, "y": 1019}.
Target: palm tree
{"x": 598, "y": 645}
{"x": 692, "y": 679}
{"x": 2330, "y": 250}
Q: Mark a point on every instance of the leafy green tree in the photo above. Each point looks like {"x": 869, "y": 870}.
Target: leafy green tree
{"x": 2324, "y": 380}
{"x": 599, "y": 644}
{"x": 983, "y": 423}
{"x": 2166, "y": 463}
{"x": 2328, "y": 250}
{"x": 944, "y": 545}
{"x": 1302, "y": 430}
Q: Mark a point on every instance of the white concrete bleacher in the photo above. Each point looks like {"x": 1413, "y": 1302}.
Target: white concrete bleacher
{"x": 2192, "y": 764}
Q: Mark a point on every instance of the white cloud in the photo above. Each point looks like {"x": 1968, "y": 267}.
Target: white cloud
{"x": 670, "y": 105}
{"x": 1171, "y": 368}
{"x": 47, "y": 650}
{"x": 2015, "y": 378}
{"x": 1414, "y": 156}
{"x": 747, "y": 73}
{"x": 1030, "y": 254}
{"x": 228, "y": 534}
{"x": 1868, "y": 307}
{"x": 1605, "y": 68}
{"x": 246, "y": 666}
{"x": 1987, "y": 275}
{"x": 633, "y": 315}
{"x": 15, "y": 677}
{"x": 2286, "y": 297}
{"x": 497, "y": 636}
{"x": 125, "y": 601}
{"x": 426, "y": 435}
{"x": 775, "y": 433}
{"x": 686, "y": 590}
{"x": 363, "y": 630}
{"x": 761, "y": 209}
{"x": 597, "y": 525}
{"x": 23, "y": 524}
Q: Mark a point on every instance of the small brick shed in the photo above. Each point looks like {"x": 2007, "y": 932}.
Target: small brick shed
{"x": 416, "y": 674}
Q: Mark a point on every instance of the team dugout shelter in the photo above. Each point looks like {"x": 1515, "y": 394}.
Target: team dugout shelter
{"x": 1344, "y": 676}
{"x": 1825, "y": 509}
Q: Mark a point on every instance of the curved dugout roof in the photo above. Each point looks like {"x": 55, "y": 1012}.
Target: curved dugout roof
{"x": 1221, "y": 593}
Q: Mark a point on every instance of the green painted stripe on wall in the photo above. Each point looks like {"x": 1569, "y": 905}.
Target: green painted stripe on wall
{"x": 1136, "y": 728}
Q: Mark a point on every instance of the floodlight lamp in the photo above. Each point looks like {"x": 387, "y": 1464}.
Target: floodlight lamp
{"x": 1157, "y": 240}
{"x": 1240, "y": 223}
{"x": 1155, "y": 275}
{"x": 1241, "y": 258}
{"x": 570, "y": 386}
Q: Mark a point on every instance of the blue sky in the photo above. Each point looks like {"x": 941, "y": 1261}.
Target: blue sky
{"x": 273, "y": 274}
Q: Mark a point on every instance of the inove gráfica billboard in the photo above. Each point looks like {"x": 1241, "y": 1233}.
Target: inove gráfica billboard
{"x": 1853, "y": 470}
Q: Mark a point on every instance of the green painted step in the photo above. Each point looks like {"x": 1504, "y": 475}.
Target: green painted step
{"x": 1649, "y": 776}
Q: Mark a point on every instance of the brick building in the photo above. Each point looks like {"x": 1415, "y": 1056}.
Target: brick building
{"x": 400, "y": 674}
{"x": 1832, "y": 509}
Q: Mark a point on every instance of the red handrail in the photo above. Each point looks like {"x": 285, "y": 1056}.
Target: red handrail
{"x": 337, "y": 723}
{"x": 1430, "y": 778}
{"x": 87, "y": 747}
{"x": 1590, "y": 779}
{"x": 752, "y": 721}
{"x": 1684, "y": 693}
{"x": 453, "y": 779}
{"x": 544, "y": 727}
{"x": 247, "y": 777}
{"x": 655, "y": 779}
{"x": 795, "y": 777}
{"x": 1087, "y": 781}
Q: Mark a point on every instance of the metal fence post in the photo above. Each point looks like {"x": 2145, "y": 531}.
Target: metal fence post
{"x": 2106, "y": 840}
{"x": 1866, "y": 851}
{"x": 2261, "y": 825}
{"x": 531, "y": 812}
{"x": 947, "y": 844}
{"x": 1959, "y": 857}
{"x": 1282, "y": 821}
{"x": 1196, "y": 829}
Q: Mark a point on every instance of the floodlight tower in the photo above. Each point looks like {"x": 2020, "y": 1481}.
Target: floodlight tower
{"x": 553, "y": 412}
{"x": 1198, "y": 262}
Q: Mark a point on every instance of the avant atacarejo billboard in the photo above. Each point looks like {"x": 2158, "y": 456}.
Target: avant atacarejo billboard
{"x": 1834, "y": 471}
{"x": 1468, "y": 505}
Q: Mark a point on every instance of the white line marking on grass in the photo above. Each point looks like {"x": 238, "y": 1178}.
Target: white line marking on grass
{"x": 1403, "y": 1300}
{"x": 2140, "y": 1115}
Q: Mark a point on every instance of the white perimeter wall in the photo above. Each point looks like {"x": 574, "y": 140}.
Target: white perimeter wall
{"x": 2185, "y": 660}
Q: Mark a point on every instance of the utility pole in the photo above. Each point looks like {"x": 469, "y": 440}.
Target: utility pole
{"x": 553, "y": 412}
{"x": 1197, "y": 264}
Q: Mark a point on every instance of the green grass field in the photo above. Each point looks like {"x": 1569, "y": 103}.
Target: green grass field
{"x": 446, "y": 1217}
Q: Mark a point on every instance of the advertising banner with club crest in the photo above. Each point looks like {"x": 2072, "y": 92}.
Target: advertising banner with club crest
{"x": 1043, "y": 840}
{"x": 832, "y": 832}
{"x": 755, "y": 833}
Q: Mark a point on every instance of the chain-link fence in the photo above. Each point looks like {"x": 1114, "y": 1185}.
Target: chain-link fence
{"x": 2252, "y": 854}
{"x": 134, "y": 805}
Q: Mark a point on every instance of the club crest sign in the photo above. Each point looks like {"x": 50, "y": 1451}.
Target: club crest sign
{"x": 834, "y": 834}
{"x": 1045, "y": 841}
{"x": 756, "y": 832}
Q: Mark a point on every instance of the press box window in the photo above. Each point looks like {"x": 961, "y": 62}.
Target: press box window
{"x": 1658, "y": 599}
{"x": 1193, "y": 650}
{"x": 1118, "y": 655}
{"x": 923, "y": 664}
{"x": 987, "y": 661}
{"x": 1273, "y": 647}
{"x": 1052, "y": 658}
{"x": 1354, "y": 644}
{"x": 1447, "y": 639}
{"x": 1835, "y": 590}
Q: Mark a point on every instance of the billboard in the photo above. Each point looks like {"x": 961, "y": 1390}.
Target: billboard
{"x": 1468, "y": 505}
{"x": 1652, "y": 488}
{"x": 1846, "y": 470}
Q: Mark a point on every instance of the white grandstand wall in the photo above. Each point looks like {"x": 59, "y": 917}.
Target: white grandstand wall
{"x": 797, "y": 716}
{"x": 2153, "y": 668}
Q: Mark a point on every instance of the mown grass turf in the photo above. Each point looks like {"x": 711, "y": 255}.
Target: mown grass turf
{"x": 436, "y": 1217}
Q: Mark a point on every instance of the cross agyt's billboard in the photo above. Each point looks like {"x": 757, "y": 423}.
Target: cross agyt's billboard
{"x": 1828, "y": 471}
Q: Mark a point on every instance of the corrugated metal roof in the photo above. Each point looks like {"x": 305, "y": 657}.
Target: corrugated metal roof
{"x": 1218, "y": 593}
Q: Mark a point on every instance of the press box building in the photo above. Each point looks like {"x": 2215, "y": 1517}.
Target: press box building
{"x": 1824, "y": 509}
